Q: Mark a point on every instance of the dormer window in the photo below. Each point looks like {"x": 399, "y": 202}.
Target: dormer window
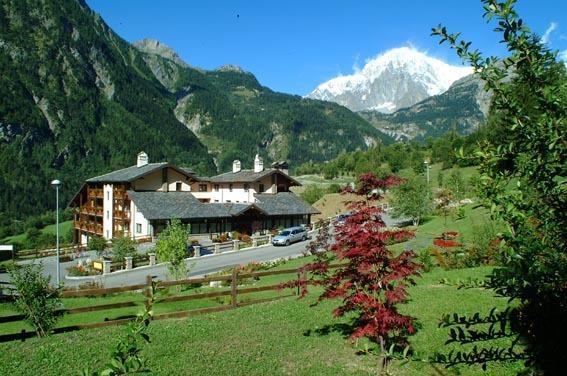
{"x": 178, "y": 186}
{"x": 216, "y": 187}
{"x": 246, "y": 187}
{"x": 230, "y": 187}
{"x": 202, "y": 187}
{"x": 261, "y": 188}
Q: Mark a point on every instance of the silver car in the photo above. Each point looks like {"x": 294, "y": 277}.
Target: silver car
{"x": 290, "y": 235}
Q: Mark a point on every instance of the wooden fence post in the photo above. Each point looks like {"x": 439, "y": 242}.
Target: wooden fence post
{"x": 149, "y": 290}
{"x": 234, "y": 291}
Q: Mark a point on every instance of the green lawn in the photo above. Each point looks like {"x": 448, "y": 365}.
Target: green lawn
{"x": 64, "y": 227}
{"x": 286, "y": 337}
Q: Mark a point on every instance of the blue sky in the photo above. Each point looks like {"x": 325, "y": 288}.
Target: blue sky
{"x": 292, "y": 46}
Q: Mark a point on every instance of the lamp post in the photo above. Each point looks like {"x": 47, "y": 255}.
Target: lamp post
{"x": 56, "y": 183}
{"x": 427, "y": 171}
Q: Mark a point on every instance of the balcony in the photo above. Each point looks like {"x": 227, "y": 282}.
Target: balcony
{"x": 96, "y": 193}
{"x": 95, "y": 228}
{"x": 119, "y": 214}
{"x": 92, "y": 210}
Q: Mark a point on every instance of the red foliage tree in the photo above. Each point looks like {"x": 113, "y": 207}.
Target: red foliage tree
{"x": 371, "y": 281}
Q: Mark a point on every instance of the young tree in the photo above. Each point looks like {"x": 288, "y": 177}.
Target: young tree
{"x": 523, "y": 173}
{"x": 172, "y": 246}
{"x": 36, "y": 299}
{"x": 123, "y": 246}
{"x": 411, "y": 199}
{"x": 97, "y": 244}
{"x": 372, "y": 281}
{"x": 312, "y": 193}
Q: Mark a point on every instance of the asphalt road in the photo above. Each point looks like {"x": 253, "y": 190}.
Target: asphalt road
{"x": 196, "y": 266}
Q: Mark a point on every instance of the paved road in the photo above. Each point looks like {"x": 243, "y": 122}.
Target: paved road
{"x": 197, "y": 266}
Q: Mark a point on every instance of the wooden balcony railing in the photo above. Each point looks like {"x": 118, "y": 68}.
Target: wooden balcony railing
{"x": 96, "y": 192}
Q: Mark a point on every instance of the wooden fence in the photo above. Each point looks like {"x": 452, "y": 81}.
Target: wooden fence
{"x": 146, "y": 289}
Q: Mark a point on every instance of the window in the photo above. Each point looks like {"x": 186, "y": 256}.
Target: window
{"x": 261, "y": 188}
{"x": 216, "y": 187}
{"x": 216, "y": 200}
{"x": 228, "y": 201}
{"x": 178, "y": 186}
{"x": 202, "y": 187}
{"x": 108, "y": 195}
{"x": 107, "y": 214}
{"x": 246, "y": 187}
{"x": 138, "y": 228}
{"x": 230, "y": 187}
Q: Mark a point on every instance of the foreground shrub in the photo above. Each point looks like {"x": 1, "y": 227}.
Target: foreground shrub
{"x": 36, "y": 299}
{"x": 373, "y": 282}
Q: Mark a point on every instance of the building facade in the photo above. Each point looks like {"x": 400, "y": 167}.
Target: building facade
{"x": 140, "y": 200}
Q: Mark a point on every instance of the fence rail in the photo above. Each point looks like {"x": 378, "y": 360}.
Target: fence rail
{"x": 146, "y": 290}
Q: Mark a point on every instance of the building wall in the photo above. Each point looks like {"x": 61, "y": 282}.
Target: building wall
{"x": 174, "y": 177}
{"x": 138, "y": 219}
{"x": 108, "y": 214}
{"x": 154, "y": 182}
{"x": 238, "y": 193}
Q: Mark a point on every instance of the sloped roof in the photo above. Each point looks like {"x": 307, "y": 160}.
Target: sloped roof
{"x": 132, "y": 173}
{"x": 283, "y": 203}
{"x": 247, "y": 176}
{"x": 182, "y": 205}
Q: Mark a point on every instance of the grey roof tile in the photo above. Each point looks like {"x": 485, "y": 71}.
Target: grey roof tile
{"x": 283, "y": 203}
{"x": 132, "y": 173}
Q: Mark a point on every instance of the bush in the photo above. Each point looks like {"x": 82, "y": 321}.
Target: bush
{"x": 122, "y": 247}
{"x": 426, "y": 260}
{"x": 97, "y": 244}
{"x": 312, "y": 193}
{"x": 36, "y": 299}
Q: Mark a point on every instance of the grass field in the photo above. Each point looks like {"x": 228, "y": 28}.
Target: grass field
{"x": 64, "y": 228}
{"x": 287, "y": 337}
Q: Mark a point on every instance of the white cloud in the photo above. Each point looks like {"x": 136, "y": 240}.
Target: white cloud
{"x": 552, "y": 26}
{"x": 562, "y": 56}
{"x": 355, "y": 65}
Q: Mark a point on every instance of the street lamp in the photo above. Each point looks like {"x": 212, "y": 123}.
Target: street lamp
{"x": 427, "y": 171}
{"x": 56, "y": 183}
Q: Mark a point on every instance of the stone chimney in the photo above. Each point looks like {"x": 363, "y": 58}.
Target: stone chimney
{"x": 236, "y": 166}
{"x": 258, "y": 164}
{"x": 142, "y": 159}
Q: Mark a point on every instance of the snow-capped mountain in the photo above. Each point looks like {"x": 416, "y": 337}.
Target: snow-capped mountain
{"x": 396, "y": 79}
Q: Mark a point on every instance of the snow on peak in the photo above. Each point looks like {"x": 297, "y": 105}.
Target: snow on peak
{"x": 397, "y": 78}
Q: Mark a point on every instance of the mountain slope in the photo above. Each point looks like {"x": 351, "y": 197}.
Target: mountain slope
{"x": 462, "y": 109}
{"x": 77, "y": 100}
{"x": 399, "y": 78}
{"x": 237, "y": 117}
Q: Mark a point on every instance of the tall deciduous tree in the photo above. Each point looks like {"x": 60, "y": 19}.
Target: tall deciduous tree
{"x": 411, "y": 199}
{"x": 523, "y": 174}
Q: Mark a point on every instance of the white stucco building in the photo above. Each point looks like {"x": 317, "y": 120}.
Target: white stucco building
{"x": 138, "y": 201}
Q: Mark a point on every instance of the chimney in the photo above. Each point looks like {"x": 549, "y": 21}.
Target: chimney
{"x": 258, "y": 164}
{"x": 236, "y": 166}
{"x": 142, "y": 159}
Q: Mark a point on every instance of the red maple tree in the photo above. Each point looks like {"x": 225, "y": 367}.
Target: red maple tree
{"x": 371, "y": 280}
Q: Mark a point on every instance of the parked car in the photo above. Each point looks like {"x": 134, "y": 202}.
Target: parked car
{"x": 341, "y": 219}
{"x": 290, "y": 235}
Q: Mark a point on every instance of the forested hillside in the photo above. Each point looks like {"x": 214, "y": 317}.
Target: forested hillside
{"x": 236, "y": 117}
{"x": 76, "y": 100}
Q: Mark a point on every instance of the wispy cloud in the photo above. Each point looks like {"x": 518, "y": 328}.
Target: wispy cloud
{"x": 552, "y": 27}
{"x": 355, "y": 65}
